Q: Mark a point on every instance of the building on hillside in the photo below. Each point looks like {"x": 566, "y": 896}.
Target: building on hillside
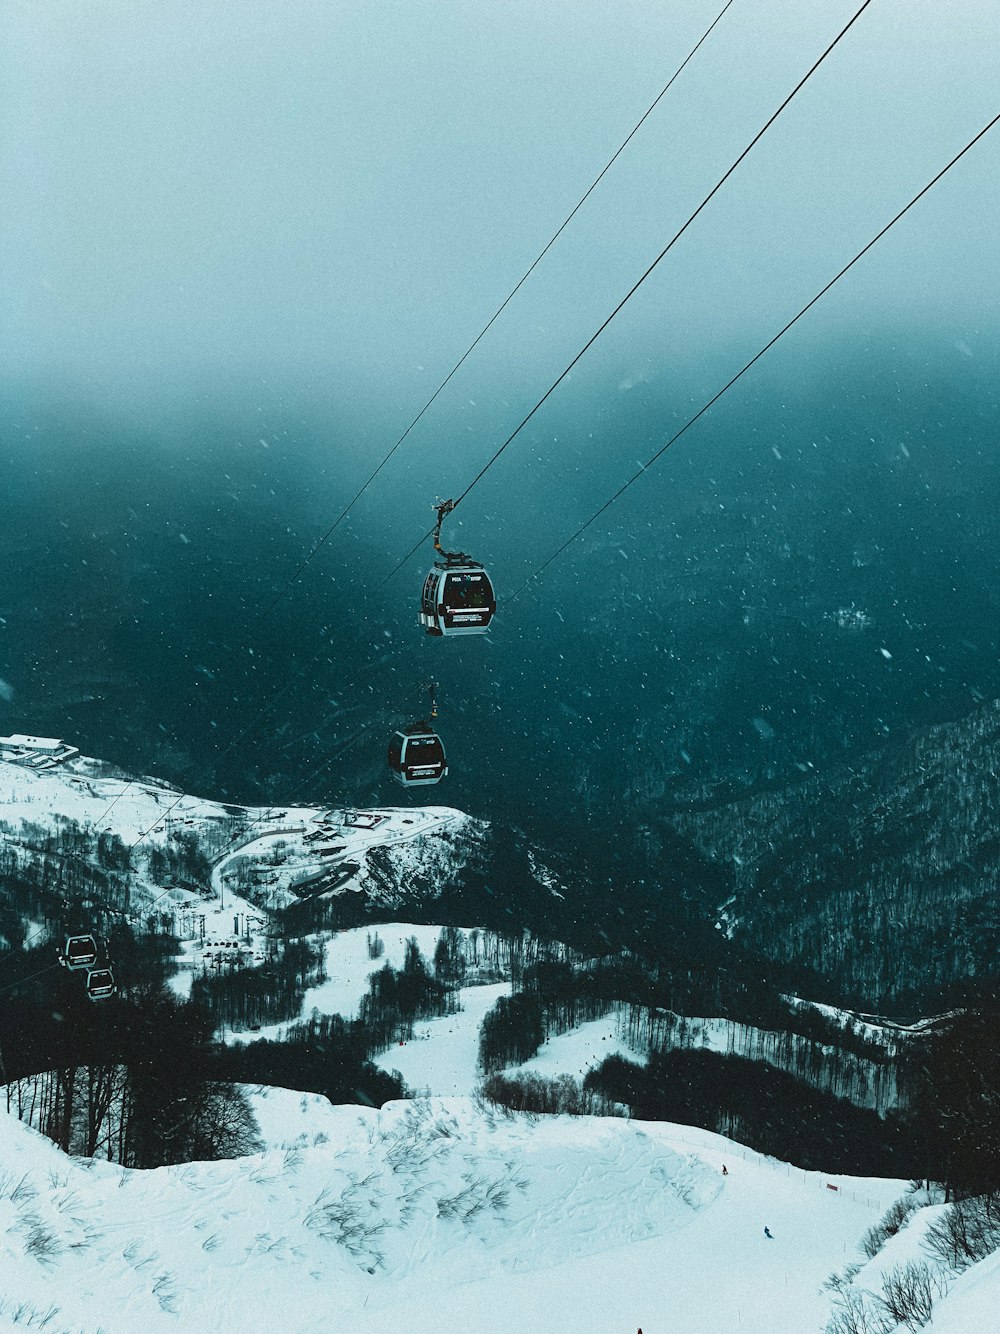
{"x": 20, "y": 742}
{"x": 36, "y": 752}
{"x": 363, "y": 819}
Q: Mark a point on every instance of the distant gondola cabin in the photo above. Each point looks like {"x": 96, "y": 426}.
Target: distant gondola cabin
{"x": 100, "y": 983}
{"x": 457, "y": 599}
{"x": 78, "y": 952}
{"x": 416, "y": 756}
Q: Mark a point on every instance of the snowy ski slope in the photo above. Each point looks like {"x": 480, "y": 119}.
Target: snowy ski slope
{"x": 426, "y": 1214}
{"x": 429, "y": 1214}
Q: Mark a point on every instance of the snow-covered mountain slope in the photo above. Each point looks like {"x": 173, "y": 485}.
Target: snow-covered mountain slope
{"x": 429, "y": 1215}
{"x": 920, "y": 1280}
{"x": 970, "y": 1307}
{"x": 99, "y": 795}
{"x": 186, "y": 849}
{"x": 865, "y": 871}
{"x": 442, "y": 1057}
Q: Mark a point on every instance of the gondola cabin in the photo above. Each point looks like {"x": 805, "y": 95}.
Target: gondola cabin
{"x": 416, "y": 756}
{"x": 457, "y": 599}
{"x": 78, "y": 952}
{"x": 100, "y": 983}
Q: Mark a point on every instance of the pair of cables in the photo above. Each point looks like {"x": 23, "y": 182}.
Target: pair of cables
{"x": 276, "y": 697}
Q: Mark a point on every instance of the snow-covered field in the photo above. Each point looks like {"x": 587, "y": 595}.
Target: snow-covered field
{"x": 442, "y": 1057}
{"x": 427, "y": 1215}
{"x": 83, "y": 790}
{"x": 258, "y": 855}
{"x": 443, "y": 1054}
{"x": 579, "y": 1050}
{"x": 972, "y": 1304}
{"x": 349, "y": 964}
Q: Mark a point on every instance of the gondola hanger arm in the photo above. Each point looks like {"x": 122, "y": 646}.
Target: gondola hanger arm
{"x": 444, "y": 508}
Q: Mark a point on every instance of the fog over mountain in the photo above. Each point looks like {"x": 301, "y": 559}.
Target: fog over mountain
{"x": 335, "y": 197}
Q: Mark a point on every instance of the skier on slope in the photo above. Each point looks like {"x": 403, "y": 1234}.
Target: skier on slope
{"x": 769, "y": 1234}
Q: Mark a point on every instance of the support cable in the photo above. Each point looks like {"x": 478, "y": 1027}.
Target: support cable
{"x": 339, "y": 753}
{"x": 635, "y": 477}
{"x": 22, "y": 981}
{"x": 753, "y": 360}
{"x": 635, "y": 287}
{"x": 496, "y": 314}
{"x": 273, "y": 700}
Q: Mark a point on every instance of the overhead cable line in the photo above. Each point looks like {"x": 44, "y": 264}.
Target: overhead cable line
{"x": 496, "y": 314}
{"x": 22, "y": 981}
{"x": 114, "y": 803}
{"x": 19, "y": 949}
{"x": 278, "y": 695}
{"x": 340, "y": 751}
{"x": 272, "y": 700}
{"x": 43, "y": 929}
{"x": 489, "y": 464}
{"x": 635, "y": 287}
{"x": 183, "y": 796}
{"x": 654, "y": 458}
{"x": 263, "y": 820}
{"x": 753, "y": 360}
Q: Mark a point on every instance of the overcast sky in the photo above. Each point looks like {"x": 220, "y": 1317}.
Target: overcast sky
{"x": 340, "y": 194}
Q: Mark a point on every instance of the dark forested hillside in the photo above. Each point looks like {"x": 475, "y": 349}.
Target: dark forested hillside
{"x": 880, "y": 874}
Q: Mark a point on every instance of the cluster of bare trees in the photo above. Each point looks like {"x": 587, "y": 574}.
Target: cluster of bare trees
{"x": 242, "y": 997}
{"x": 766, "y": 1108}
{"x": 180, "y": 858}
{"x": 558, "y": 1000}
{"x": 47, "y": 867}
{"x": 511, "y": 1033}
{"x": 964, "y": 1233}
{"x": 478, "y": 957}
{"x": 955, "y": 1080}
{"x": 871, "y": 1079}
{"x": 879, "y": 876}
{"x": 78, "y": 1107}
{"x": 71, "y": 877}
{"x": 107, "y": 1111}
{"x": 397, "y": 999}
{"x": 560, "y": 1096}
{"x": 152, "y": 1101}
{"x": 325, "y": 1054}
{"x": 905, "y": 1301}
